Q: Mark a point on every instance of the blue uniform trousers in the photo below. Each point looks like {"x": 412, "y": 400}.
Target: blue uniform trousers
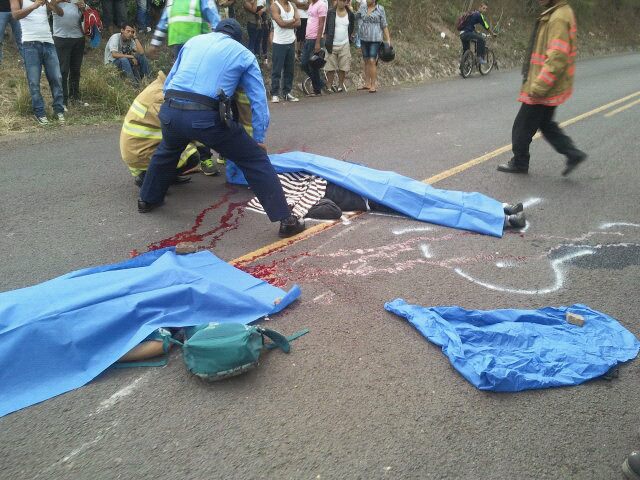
{"x": 179, "y": 127}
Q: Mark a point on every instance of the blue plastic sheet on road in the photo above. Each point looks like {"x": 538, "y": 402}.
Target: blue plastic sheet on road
{"x": 514, "y": 350}
{"x": 464, "y": 210}
{"x": 60, "y": 334}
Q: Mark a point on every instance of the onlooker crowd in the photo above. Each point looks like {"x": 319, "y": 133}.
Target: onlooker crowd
{"x": 310, "y": 31}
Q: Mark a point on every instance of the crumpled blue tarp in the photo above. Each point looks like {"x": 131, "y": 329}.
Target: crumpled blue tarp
{"x": 465, "y": 210}
{"x": 514, "y": 350}
{"x": 60, "y": 334}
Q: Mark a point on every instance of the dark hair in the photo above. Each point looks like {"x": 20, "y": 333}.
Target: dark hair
{"x": 126, "y": 24}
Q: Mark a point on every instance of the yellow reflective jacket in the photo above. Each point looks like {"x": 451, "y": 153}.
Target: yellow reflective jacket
{"x": 551, "y": 68}
{"x": 141, "y": 132}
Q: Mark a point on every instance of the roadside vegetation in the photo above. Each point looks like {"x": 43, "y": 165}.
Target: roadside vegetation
{"x": 427, "y": 47}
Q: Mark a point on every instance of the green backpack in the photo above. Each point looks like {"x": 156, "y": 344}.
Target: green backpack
{"x": 220, "y": 350}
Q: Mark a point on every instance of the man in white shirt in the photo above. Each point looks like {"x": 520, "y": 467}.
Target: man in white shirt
{"x": 39, "y": 51}
{"x": 125, "y": 51}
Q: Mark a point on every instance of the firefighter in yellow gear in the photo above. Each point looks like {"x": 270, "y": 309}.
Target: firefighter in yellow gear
{"x": 141, "y": 134}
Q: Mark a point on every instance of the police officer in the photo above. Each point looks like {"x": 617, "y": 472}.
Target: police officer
{"x": 208, "y": 69}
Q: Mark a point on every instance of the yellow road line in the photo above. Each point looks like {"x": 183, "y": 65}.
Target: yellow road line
{"x": 506, "y": 148}
{"x": 621, "y": 109}
{"x": 249, "y": 257}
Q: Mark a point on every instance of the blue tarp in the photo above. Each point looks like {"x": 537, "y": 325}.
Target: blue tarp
{"x": 60, "y": 334}
{"x": 468, "y": 211}
{"x": 514, "y": 350}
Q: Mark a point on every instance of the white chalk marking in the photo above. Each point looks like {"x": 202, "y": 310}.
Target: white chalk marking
{"x": 606, "y": 226}
{"x": 123, "y": 392}
{"x": 424, "y": 248}
{"x": 402, "y": 231}
{"x": 531, "y": 202}
{"x": 555, "y": 265}
{"x": 506, "y": 264}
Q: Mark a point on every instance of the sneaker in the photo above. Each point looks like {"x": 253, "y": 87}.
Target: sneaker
{"x": 290, "y": 226}
{"x": 481, "y": 61}
{"x": 64, "y": 107}
{"x": 60, "y": 117}
{"x": 631, "y": 466}
{"x": 42, "y": 120}
{"x": 209, "y": 168}
{"x": 290, "y": 98}
{"x": 510, "y": 209}
{"x": 516, "y": 221}
{"x": 275, "y": 99}
{"x": 221, "y": 161}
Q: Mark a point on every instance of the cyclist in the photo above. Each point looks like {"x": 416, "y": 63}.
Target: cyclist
{"x": 468, "y": 31}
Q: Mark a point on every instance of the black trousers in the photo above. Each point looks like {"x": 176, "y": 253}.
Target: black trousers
{"x": 529, "y": 120}
{"x": 70, "y": 53}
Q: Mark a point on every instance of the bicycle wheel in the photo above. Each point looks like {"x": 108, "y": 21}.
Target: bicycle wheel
{"x": 487, "y": 67}
{"x": 466, "y": 64}
{"x": 307, "y": 86}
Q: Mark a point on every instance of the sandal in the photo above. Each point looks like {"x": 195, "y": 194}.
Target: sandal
{"x": 373, "y": 90}
{"x": 364, "y": 88}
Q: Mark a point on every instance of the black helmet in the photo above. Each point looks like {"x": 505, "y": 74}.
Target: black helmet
{"x": 386, "y": 53}
{"x": 317, "y": 60}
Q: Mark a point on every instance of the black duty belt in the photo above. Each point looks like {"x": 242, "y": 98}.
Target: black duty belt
{"x": 190, "y": 101}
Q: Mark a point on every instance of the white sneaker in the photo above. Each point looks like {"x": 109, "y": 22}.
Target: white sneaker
{"x": 60, "y": 117}
{"x": 42, "y": 120}
{"x": 65, "y": 108}
{"x": 275, "y": 99}
{"x": 290, "y": 98}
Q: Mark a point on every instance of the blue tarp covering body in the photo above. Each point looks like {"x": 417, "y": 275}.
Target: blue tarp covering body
{"x": 60, "y": 334}
{"x": 468, "y": 211}
{"x": 513, "y": 350}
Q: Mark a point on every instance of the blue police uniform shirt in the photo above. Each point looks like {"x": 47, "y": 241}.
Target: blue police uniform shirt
{"x": 214, "y": 61}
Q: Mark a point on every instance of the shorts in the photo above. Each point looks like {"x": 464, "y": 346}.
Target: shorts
{"x": 339, "y": 59}
{"x": 370, "y": 49}
{"x": 301, "y": 31}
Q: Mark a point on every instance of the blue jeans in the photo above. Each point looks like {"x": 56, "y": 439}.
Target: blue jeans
{"x": 467, "y": 37}
{"x": 254, "y": 38}
{"x": 141, "y": 14}
{"x": 135, "y": 75}
{"x": 307, "y": 53}
{"x": 7, "y": 19}
{"x": 179, "y": 127}
{"x": 282, "y": 62}
{"x": 38, "y": 55}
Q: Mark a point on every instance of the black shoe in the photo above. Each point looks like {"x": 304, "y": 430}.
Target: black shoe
{"x": 290, "y": 226}
{"x": 139, "y": 180}
{"x": 513, "y": 209}
{"x": 516, "y": 221}
{"x": 631, "y": 466}
{"x": 144, "y": 207}
{"x": 573, "y": 161}
{"x": 512, "y": 167}
{"x": 180, "y": 179}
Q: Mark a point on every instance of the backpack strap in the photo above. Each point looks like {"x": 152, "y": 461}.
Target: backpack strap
{"x": 279, "y": 340}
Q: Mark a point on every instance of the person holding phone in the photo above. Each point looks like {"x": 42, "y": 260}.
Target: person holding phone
{"x": 257, "y": 27}
{"x": 39, "y": 51}
{"x": 68, "y": 38}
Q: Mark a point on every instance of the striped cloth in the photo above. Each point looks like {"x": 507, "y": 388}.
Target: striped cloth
{"x": 301, "y": 190}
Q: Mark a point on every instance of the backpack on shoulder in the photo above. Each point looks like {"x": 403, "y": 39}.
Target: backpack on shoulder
{"x": 91, "y": 24}
{"x": 462, "y": 19}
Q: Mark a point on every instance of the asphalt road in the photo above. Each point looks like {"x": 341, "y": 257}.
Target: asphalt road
{"x": 363, "y": 395}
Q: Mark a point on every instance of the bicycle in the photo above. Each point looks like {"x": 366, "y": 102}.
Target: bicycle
{"x": 469, "y": 59}
{"x": 307, "y": 86}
